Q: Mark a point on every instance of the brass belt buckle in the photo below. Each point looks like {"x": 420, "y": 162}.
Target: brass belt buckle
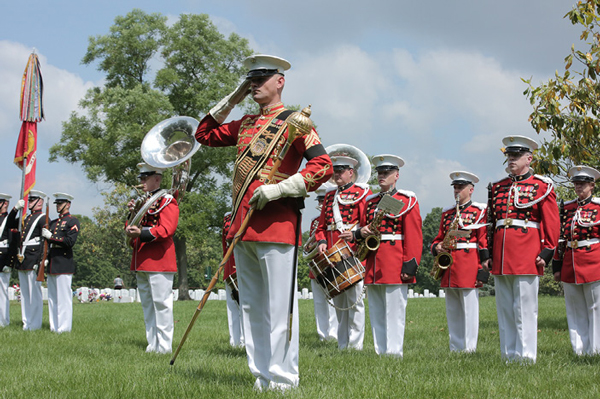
{"x": 574, "y": 244}
{"x": 508, "y": 222}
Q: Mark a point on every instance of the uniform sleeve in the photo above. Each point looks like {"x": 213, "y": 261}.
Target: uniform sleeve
{"x": 439, "y": 238}
{"x": 322, "y": 226}
{"x": 212, "y": 134}
{"x": 166, "y": 226}
{"x": 550, "y": 225}
{"x": 413, "y": 241}
{"x": 482, "y": 241}
{"x": 318, "y": 168}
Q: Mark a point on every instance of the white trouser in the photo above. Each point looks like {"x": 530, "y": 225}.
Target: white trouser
{"x": 264, "y": 275}
{"x": 351, "y": 323}
{"x": 583, "y": 316}
{"x": 234, "y": 320}
{"x": 387, "y": 312}
{"x": 60, "y": 302}
{"x": 462, "y": 313}
{"x": 4, "y": 302}
{"x": 156, "y": 295}
{"x": 517, "y": 308}
{"x": 325, "y": 317}
{"x": 32, "y": 303}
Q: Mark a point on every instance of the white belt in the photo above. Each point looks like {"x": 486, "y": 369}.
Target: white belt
{"x": 345, "y": 227}
{"x": 4, "y": 244}
{"x": 466, "y": 245}
{"x": 582, "y": 243}
{"x": 392, "y": 237}
{"x": 33, "y": 241}
{"x": 516, "y": 222}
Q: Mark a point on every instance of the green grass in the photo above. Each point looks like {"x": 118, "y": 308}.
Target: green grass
{"x": 103, "y": 357}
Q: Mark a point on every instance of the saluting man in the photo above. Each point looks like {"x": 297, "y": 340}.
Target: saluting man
{"x": 466, "y": 272}
{"x": 28, "y": 260}
{"x": 342, "y": 209}
{"x": 525, "y": 215}
{"x": 8, "y": 251}
{"x": 264, "y": 257}
{"x": 154, "y": 260}
{"x": 577, "y": 264}
{"x": 393, "y": 266}
{"x": 61, "y": 237}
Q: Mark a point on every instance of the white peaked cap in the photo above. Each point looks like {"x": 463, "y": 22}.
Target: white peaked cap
{"x": 5, "y": 197}
{"x": 387, "y": 162}
{"x": 265, "y": 65}
{"x": 519, "y": 144}
{"x": 148, "y": 170}
{"x": 462, "y": 177}
{"x": 62, "y": 197}
{"x": 37, "y": 194}
{"x": 342, "y": 160}
{"x": 583, "y": 173}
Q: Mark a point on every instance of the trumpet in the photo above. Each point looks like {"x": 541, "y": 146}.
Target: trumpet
{"x": 138, "y": 202}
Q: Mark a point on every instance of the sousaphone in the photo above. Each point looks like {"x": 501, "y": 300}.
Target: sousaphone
{"x": 169, "y": 144}
{"x": 362, "y": 171}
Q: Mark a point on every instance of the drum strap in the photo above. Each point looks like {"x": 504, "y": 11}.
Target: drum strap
{"x": 256, "y": 154}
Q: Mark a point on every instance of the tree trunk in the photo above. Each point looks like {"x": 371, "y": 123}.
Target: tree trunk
{"x": 182, "y": 265}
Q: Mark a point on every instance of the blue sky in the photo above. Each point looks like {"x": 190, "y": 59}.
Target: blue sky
{"x": 437, "y": 83}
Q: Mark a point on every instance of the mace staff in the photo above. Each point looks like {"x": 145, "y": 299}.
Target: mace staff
{"x": 299, "y": 124}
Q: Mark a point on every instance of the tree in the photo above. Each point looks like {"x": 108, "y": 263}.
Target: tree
{"x": 431, "y": 225}
{"x": 199, "y": 67}
{"x": 568, "y": 105}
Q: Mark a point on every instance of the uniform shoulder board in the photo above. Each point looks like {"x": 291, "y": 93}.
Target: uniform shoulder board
{"x": 227, "y": 214}
{"x": 362, "y": 185}
{"x": 596, "y": 200}
{"x": 446, "y": 209}
{"x": 501, "y": 180}
{"x": 407, "y": 193}
{"x": 168, "y": 196}
{"x": 545, "y": 179}
{"x": 370, "y": 197}
{"x": 570, "y": 202}
{"x": 479, "y": 205}
{"x": 331, "y": 189}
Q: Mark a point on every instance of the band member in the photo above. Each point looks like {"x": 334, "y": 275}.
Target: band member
{"x": 577, "y": 263}
{"x": 265, "y": 255}
{"x": 28, "y": 260}
{"x": 525, "y": 216}
{"x": 465, "y": 273}
{"x": 61, "y": 237}
{"x": 325, "y": 317}
{"x": 234, "y": 319}
{"x": 393, "y": 266}
{"x": 154, "y": 260}
{"x": 8, "y": 251}
{"x": 342, "y": 209}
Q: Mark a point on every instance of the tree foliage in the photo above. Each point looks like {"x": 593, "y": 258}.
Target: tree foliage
{"x": 569, "y": 104}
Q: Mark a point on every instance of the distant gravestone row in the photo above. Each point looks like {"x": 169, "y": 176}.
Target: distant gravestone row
{"x": 85, "y": 294}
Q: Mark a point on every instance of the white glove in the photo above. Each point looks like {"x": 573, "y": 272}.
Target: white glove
{"x": 20, "y": 205}
{"x": 35, "y": 267}
{"x": 221, "y": 111}
{"x": 6, "y": 269}
{"x": 46, "y": 233}
{"x": 46, "y": 263}
{"x": 291, "y": 187}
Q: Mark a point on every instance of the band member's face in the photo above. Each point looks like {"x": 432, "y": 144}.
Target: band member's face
{"x": 63, "y": 207}
{"x": 342, "y": 176}
{"x": 267, "y": 90}
{"x": 3, "y": 206}
{"x": 387, "y": 179}
{"x": 518, "y": 163}
{"x": 464, "y": 192}
{"x": 150, "y": 183}
{"x": 583, "y": 189}
{"x": 35, "y": 204}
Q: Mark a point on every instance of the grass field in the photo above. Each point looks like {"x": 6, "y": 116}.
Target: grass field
{"x": 103, "y": 357}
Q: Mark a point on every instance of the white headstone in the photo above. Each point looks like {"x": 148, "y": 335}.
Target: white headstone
{"x": 11, "y": 294}
{"x": 426, "y": 293}
{"x": 411, "y": 293}
{"x": 222, "y": 295}
{"x": 175, "y": 295}
{"x": 304, "y": 293}
{"x": 442, "y": 294}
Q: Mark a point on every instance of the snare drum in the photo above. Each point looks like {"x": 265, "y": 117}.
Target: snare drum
{"x": 231, "y": 282}
{"x": 337, "y": 269}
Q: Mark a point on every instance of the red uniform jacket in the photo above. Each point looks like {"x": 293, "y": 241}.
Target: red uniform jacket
{"x": 400, "y": 252}
{"x": 580, "y": 222}
{"x": 153, "y": 250}
{"x": 311, "y": 233}
{"x": 276, "y": 222}
{"x": 350, "y": 201}
{"x": 527, "y": 225}
{"x": 471, "y": 250}
{"x": 229, "y": 267}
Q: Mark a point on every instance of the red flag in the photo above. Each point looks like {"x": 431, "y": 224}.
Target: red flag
{"x": 27, "y": 148}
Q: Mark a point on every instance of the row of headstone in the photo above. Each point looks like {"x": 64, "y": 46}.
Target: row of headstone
{"x": 425, "y": 294}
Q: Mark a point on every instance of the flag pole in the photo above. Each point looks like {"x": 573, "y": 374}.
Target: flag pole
{"x": 22, "y": 211}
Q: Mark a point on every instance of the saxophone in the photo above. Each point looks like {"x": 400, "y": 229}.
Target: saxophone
{"x": 371, "y": 242}
{"x": 444, "y": 260}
